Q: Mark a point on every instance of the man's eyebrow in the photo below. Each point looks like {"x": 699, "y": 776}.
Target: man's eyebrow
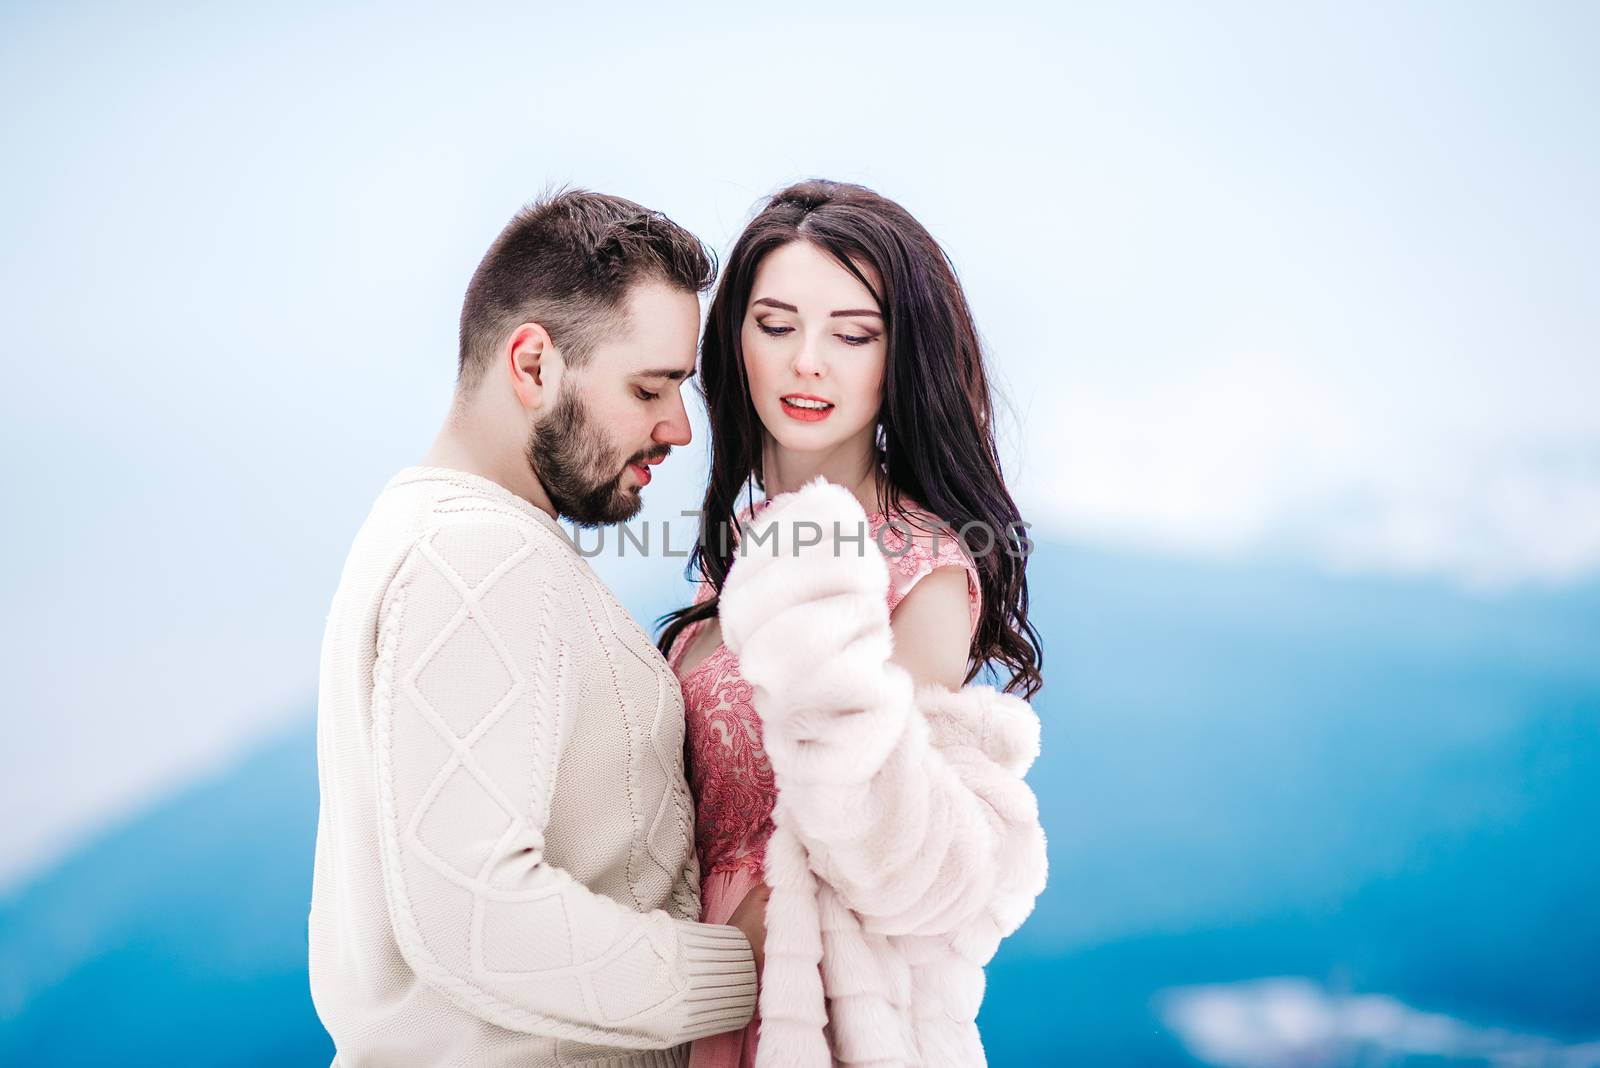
{"x": 673, "y": 373}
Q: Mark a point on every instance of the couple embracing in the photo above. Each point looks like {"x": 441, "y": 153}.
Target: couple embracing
{"x": 791, "y": 829}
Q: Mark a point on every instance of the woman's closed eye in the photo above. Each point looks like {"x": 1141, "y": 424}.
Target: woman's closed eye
{"x": 775, "y": 330}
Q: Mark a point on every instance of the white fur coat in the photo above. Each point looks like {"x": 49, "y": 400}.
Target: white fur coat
{"x": 906, "y": 844}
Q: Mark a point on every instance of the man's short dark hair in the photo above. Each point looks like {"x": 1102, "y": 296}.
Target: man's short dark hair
{"x": 566, "y": 262}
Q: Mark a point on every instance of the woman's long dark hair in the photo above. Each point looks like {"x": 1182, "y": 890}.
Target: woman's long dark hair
{"x": 935, "y": 437}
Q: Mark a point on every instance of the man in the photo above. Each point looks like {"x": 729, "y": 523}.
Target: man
{"x": 505, "y": 869}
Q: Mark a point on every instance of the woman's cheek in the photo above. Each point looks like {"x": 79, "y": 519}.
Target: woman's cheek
{"x": 872, "y": 388}
{"x": 755, "y": 362}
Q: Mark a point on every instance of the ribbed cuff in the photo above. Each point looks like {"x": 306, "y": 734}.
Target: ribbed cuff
{"x": 722, "y": 979}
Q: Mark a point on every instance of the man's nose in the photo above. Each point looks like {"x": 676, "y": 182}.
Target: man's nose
{"x": 675, "y": 430}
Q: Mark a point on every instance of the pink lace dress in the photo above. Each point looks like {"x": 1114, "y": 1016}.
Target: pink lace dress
{"x": 728, "y": 770}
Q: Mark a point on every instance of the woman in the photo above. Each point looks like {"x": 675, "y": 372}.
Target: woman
{"x": 842, "y": 373}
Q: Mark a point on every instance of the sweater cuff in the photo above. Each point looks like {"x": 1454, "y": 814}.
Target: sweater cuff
{"x": 722, "y": 979}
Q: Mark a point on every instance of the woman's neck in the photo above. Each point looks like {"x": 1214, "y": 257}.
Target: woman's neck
{"x": 786, "y": 470}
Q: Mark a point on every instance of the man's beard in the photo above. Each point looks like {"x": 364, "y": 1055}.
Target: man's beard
{"x": 579, "y": 470}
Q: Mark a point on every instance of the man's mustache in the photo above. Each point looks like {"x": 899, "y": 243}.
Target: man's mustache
{"x": 649, "y": 456}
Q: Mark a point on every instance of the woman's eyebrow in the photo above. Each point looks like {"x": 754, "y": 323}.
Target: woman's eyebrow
{"x": 771, "y": 303}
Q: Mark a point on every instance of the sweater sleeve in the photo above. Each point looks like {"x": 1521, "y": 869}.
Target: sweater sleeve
{"x": 916, "y": 831}
{"x": 470, "y": 689}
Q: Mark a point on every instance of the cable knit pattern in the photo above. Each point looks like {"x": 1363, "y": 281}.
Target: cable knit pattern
{"x": 905, "y": 843}
{"x": 504, "y": 870}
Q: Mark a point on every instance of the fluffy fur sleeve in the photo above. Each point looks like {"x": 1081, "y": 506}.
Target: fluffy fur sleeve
{"x": 910, "y": 803}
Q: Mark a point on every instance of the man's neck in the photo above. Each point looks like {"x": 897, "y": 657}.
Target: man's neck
{"x": 457, "y": 451}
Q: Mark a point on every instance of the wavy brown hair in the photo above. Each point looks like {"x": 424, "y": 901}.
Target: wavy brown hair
{"x": 935, "y": 438}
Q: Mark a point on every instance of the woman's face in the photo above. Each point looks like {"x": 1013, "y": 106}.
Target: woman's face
{"x": 812, "y": 330}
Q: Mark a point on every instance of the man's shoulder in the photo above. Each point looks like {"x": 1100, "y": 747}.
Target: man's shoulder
{"x": 477, "y": 531}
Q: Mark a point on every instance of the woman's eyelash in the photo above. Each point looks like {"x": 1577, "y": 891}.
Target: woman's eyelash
{"x": 848, "y": 339}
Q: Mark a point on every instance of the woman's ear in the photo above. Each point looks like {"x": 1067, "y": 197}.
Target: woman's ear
{"x": 533, "y": 364}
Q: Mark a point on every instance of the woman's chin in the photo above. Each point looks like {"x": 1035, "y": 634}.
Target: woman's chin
{"x": 797, "y": 437}
{"x": 803, "y": 443}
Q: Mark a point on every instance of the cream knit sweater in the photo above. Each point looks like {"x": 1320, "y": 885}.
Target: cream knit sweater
{"x": 505, "y": 869}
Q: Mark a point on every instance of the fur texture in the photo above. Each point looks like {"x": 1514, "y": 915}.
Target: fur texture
{"x": 906, "y": 844}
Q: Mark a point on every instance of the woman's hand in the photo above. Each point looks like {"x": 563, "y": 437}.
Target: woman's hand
{"x": 806, "y": 600}
{"x": 805, "y": 609}
{"x": 751, "y": 919}
{"x": 811, "y": 545}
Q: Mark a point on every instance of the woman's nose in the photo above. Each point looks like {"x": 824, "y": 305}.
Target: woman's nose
{"x": 808, "y": 362}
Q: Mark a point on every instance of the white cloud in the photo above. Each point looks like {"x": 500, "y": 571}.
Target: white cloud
{"x": 1294, "y": 1023}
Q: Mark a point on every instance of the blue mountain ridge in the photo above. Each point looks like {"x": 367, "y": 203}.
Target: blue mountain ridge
{"x": 1249, "y": 770}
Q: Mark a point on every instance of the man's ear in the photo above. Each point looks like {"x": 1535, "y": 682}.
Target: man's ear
{"x": 534, "y": 365}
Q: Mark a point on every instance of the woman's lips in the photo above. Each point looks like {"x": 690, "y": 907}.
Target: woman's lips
{"x": 804, "y": 415}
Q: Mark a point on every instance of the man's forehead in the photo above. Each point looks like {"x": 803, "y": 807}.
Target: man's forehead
{"x": 641, "y": 353}
{"x": 653, "y": 336}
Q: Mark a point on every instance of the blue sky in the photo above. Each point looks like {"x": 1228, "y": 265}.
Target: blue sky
{"x": 1314, "y": 285}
